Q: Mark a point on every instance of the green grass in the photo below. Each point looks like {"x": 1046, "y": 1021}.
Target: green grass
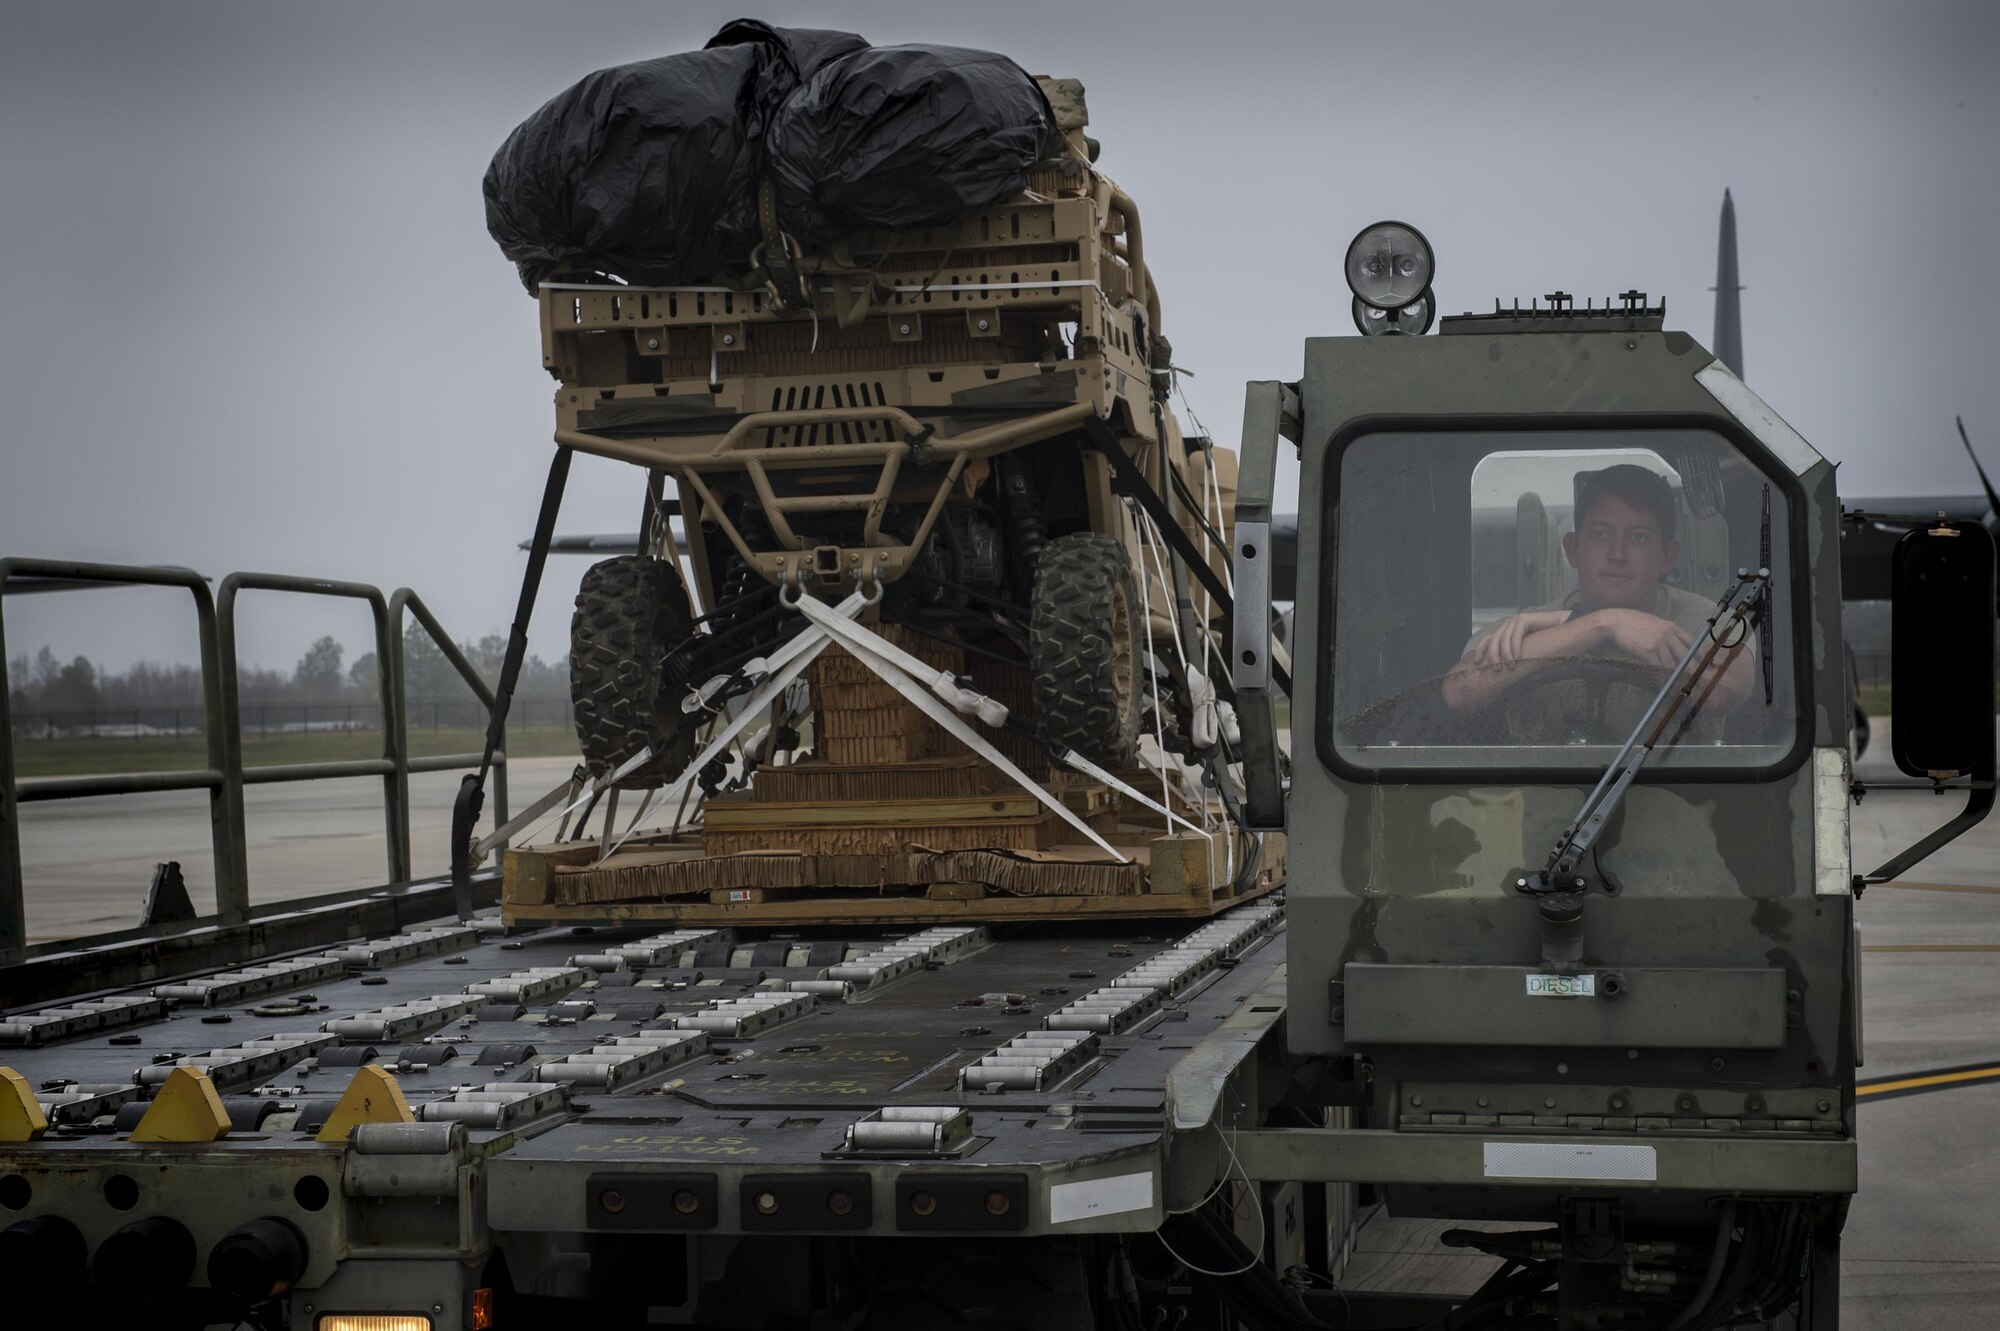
{"x": 171, "y": 753}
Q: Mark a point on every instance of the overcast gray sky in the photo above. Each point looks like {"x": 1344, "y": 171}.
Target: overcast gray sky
{"x": 252, "y": 319}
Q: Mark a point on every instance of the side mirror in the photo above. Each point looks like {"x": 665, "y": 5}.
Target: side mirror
{"x": 1941, "y": 645}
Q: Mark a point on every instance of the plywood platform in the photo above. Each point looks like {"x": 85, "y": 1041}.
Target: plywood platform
{"x": 678, "y": 881}
{"x": 895, "y": 820}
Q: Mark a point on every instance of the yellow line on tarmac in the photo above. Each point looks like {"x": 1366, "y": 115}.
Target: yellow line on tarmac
{"x": 1940, "y": 887}
{"x": 1937, "y": 1079}
{"x": 1931, "y": 947}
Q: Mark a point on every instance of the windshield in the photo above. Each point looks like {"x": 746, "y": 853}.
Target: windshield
{"x": 1514, "y": 599}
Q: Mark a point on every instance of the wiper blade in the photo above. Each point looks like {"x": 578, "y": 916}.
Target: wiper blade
{"x": 1751, "y": 588}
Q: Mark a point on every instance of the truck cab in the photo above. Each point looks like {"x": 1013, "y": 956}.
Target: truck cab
{"x": 1567, "y": 795}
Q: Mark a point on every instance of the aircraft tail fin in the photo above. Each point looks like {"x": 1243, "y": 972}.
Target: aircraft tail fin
{"x": 1728, "y": 346}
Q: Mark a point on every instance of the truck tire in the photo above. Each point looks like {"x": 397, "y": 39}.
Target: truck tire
{"x": 1083, "y": 648}
{"x": 631, "y": 612}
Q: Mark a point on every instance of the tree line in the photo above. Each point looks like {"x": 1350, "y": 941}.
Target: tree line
{"x": 44, "y": 683}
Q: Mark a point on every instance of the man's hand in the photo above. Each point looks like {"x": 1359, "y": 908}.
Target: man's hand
{"x": 1646, "y": 638}
{"x": 1505, "y": 642}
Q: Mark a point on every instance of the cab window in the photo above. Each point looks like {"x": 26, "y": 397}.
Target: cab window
{"x": 1514, "y": 599}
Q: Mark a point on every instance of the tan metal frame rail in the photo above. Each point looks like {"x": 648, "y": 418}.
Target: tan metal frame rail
{"x": 735, "y": 452}
{"x": 225, "y": 776}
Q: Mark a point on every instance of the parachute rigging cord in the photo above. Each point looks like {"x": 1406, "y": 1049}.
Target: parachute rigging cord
{"x": 1201, "y": 691}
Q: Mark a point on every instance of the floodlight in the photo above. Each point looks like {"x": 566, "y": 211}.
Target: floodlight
{"x": 1389, "y": 265}
{"x": 1413, "y": 319}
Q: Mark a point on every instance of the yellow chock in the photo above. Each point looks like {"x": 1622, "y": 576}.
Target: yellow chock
{"x": 187, "y": 1109}
{"x": 372, "y": 1097}
{"x": 21, "y": 1117}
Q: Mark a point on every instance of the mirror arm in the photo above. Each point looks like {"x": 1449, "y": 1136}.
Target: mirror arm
{"x": 1978, "y": 803}
{"x": 1268, "y": 407}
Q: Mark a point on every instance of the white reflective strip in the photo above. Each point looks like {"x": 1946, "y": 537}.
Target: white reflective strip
{"x": 1833, "y": 854}
{"x": 1571, "y": 1160}
{"x": 1102, "y": 1196}
{"x": 1756, "y": 416}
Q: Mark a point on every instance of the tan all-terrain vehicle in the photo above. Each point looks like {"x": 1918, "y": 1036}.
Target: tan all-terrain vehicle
{"x": 958, "y": 415}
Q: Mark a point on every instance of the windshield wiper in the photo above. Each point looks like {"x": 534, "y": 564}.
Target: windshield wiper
{"x": 1751, "y": 588}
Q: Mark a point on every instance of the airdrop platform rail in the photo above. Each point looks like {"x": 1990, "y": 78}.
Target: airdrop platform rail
{"x": 225, "y": 776}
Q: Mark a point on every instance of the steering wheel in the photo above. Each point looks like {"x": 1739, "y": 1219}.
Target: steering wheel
{"x": 1589, "y": 700}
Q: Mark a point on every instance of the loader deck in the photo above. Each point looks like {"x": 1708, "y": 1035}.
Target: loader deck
{"x": 716, "y": 1060}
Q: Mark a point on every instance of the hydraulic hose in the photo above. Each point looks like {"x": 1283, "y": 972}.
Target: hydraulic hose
{"x": 1717, "y": 1260}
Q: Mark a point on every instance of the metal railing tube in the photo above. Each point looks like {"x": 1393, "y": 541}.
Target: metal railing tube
{"x": 225, "y": 824}
{"x": 124, "y": 783}
{"x": 395, "y": 794}
{"x": 273, "y": 773}
{"x": 404, "y": 599}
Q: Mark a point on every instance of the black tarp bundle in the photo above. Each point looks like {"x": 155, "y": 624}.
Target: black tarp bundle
{"x": 650, "y": 172}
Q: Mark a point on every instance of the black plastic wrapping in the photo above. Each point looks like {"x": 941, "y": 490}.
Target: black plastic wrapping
{"x": 651, "y": 171}
{"x": 901, "y": 137}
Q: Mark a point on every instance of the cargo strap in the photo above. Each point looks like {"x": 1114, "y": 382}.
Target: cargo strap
{"x": 1070, "y": 758}
{"x": 783, "y": 666}
{"x": 566, "y": 789}
{"x": 775, "y": 260}
{"x": 876, "y": 656}
{"x": 1128, "y": 480}
{"x": 472, "y": 790}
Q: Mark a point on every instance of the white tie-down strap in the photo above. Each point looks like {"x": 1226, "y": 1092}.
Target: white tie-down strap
{"x": 583, "y": 794}
{"x": 1214, "y": 718}
{"x": 1072, "y": 759}
{"x": 893, "y": 675}
{"x": 782, "y": 667}
{"x": 864, "y": 644}
{"x": 565, "y": 789}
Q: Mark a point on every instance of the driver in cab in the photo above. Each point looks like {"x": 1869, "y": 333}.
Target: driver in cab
{"x": 1622, "y": 546}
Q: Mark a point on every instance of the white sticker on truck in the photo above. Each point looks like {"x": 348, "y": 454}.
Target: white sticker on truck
{"x": 1571, "y": 1161}
{"x": 1562, "y": 986}
{"x": 1100, "y": 1196}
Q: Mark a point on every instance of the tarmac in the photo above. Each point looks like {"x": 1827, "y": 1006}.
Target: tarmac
{"x": 88, "y": 862}
{"x": 1922, "y": 1245}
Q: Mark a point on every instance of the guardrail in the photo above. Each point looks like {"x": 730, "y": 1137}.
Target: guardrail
{"x": 226, "y": 776}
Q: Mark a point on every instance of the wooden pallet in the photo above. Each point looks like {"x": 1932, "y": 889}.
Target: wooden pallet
{"x": 894, "y": 820}
{"x": 998, "y": 820}
{"x": 755, "y": 911}
{"x": 676, "y": 881}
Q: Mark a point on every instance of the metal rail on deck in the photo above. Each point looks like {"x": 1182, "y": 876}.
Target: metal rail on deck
{"x": 225, "y": 776}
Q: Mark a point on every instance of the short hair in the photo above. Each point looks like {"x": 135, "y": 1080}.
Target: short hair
{"x": 1645, "y": 490}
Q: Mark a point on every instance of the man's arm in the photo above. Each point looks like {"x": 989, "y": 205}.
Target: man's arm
{"x": 1520, "y": 646}
{"x": 1529, "y": 642}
